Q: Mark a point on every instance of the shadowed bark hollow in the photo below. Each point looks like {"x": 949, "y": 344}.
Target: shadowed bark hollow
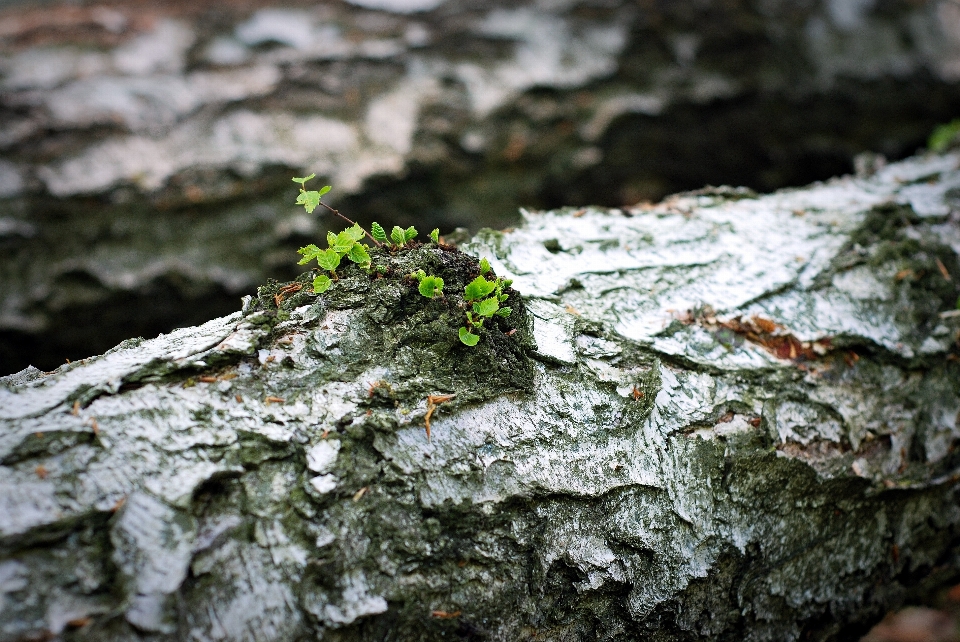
{"x": 724, "y": 416}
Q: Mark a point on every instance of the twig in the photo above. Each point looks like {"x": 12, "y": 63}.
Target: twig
{"x": 369, "y": 236}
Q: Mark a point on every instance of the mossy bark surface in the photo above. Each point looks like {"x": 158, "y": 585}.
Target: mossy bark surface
{"x": 725, "y": 416}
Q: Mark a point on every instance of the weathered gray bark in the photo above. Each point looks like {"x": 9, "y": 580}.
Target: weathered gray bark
{"x": 658, "y": 470}
{"x": 123, "y": 121}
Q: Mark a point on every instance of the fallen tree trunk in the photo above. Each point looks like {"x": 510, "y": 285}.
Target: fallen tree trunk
{"x": 723, "y": 416}
{"x": 121, "y": 120}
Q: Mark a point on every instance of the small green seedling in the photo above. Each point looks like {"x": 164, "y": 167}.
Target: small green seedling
{"x": 310, "y": 199}
{"x": 401, "y": 237}
{"x": 430, "y": 286}
{"x": 435, "y": 235}
{"x": 483, "y": 306}
{"x": 346, "y": 243}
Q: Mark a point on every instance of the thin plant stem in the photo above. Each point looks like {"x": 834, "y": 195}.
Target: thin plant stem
{"x": 333, "y": 211}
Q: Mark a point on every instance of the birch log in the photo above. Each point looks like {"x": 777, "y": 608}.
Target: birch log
{"x": 146, "y": 148}
{"x": 723, "y": 416}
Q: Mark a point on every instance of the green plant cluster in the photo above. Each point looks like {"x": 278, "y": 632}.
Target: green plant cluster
{"x": 346, "y": 243}
{"x": 482, "y": 297}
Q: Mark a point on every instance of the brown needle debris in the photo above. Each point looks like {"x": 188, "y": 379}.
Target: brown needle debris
{"x": 432, "y": 402}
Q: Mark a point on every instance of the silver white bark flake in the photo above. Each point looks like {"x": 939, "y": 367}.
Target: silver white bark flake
{"x": 740, "y": 418}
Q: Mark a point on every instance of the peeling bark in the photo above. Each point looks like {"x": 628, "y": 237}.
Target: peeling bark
{"x": 739, "y": 421}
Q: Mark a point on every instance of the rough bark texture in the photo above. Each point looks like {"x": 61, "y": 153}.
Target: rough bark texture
{"x": 722, "y": 417}
{"x": 147, "y": 147}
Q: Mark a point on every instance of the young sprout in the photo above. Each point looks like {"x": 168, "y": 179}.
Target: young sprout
{"x": 311, "y": 199}
{"x": 435, "y": 235}
{"x": 430, "y": 286}
{"x": 483, "y": 305}
{"x": 401, "y": 237}
{"x": 346, "y": 243}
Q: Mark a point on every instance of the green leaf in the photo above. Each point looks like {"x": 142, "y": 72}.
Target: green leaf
{"x": 468, "y": 338}
{"x": 304, "y": 179}
{"x": 398, "y": 235}
{"x": 344, "y": 242}
{"x": 504, "y": 311}
{"x": 377, "y": 232}
{"x": 331, "y": 239}
{"x": 943, "y": 136}
{"x": 431, "y": 286}
{"x": 321, "y": 283}
{"x": 359, "y": 255}
{"x": 484, "y": 265}
{"x": 419, "y": 275}
{"x": 309, "y": 200}
{"x": 356, "y": 232}
{"x": 487, "y": 307}
{"x": 324, "y": 190}
{"x": 309, "y": 253}
{"x": 435, "y": 235}
{"x": 328, "y": 260}
{"x": 478, "y": 288}
{"x": 409, "y": 234}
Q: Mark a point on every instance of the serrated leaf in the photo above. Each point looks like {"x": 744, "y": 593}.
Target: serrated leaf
{"x": 503, "y": 297}
{"x": 478, "y": 288}
{"x": 344, "y": 241}
{"x": 304, "y": 179}
{"x": 321, "y": 283}
{"x": 378, "y": 232}
{"x": 504, "y": 311}
{"x": 435, "y": 235}
{"x": 328, "y": 260}
{"x": 359, "y": 255}
{"x": 356, "y": 232}
{"x": 309, "y": 200}
{"x": 409, "y": 234}
{"x": 331, "y": 239}
{"x": 484, "y": 265}
{"x": 398, "y": 236}
{"x": 487, "y": 307}
{"x": 309, "y": 253}
{"x": 468, "y": 338}
{"x": 431, "y": 286}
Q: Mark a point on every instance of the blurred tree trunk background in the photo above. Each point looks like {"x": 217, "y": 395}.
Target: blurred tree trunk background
{"x": 146, "y": 148}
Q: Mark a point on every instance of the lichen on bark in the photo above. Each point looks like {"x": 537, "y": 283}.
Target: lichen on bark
{"x": 723, "y": 416}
